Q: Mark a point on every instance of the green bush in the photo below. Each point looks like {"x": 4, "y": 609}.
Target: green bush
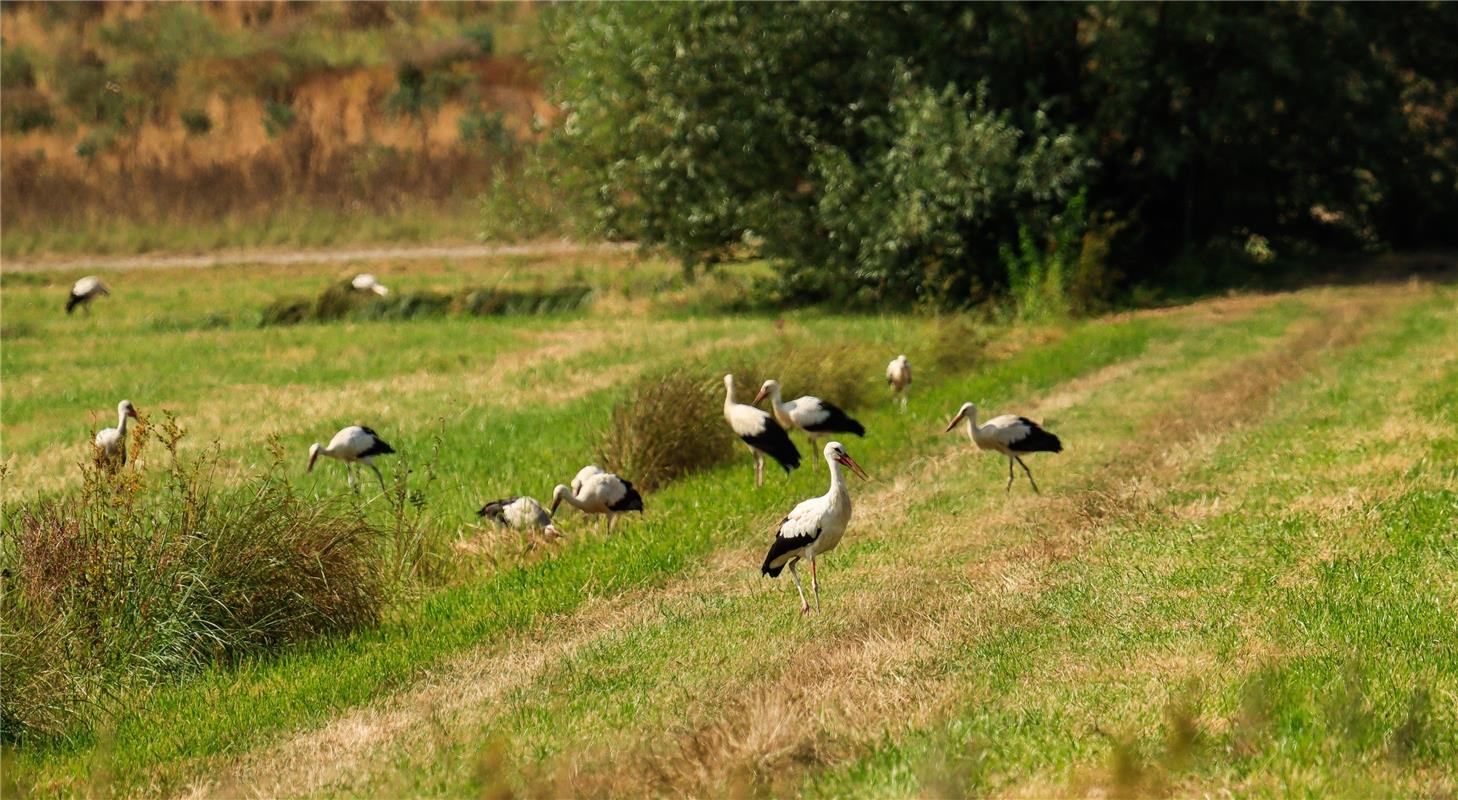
{"x": 196, "y": 121}
{"x": 341, "y": 301}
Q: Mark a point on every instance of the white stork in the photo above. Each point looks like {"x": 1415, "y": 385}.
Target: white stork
{"x": 354, "y": 444}
{"x": 898, "y": 375}
{"x": 598, "y": 493}
{"x": 814, "y": 526}
{"x": 760, "y": 432}
{"x": 1009, "y": 435}
{"x": 519, "y": 513}
{"x": 810, "y": 414}
{"x": 365, "y": 282}
{"x": 111, "y": 443}
{"x": 84, "y": 291}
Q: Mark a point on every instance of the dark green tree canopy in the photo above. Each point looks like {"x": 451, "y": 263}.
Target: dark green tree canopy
{"x": 891, "y": 149}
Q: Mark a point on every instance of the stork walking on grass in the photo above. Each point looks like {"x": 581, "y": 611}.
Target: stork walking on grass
{"x": 353, "y": 445}
{"x": 898, "y": 375}
{"x": 814, "y": 527}
{"x": 84, "y": 291}
{"x": 812, "y": 415}
{"x": 598, "y": 493}
{"x": 523, "y": 514}
{"x": 760, "y": 432}
{"x": 111, "y": 443}
{"x": 1010, "y": 435}
{"x": 365, "y": 282}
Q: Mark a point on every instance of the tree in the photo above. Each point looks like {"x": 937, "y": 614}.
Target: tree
{"x": 883, "y": 150}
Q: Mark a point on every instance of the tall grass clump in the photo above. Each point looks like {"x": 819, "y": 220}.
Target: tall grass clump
{"x": 137, "y": 578}
{"x": 670, "y": 426}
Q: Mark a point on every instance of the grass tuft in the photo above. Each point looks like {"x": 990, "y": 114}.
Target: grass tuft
{"x": 671, "y": 425}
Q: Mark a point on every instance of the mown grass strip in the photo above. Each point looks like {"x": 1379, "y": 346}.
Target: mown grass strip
{"x": 1309, "y": 634}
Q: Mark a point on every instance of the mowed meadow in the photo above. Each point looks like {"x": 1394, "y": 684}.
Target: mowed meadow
{"x": 1238, "y": 577}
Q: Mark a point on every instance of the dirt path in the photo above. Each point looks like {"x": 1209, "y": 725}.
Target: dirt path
{"x": 331, "y": 256}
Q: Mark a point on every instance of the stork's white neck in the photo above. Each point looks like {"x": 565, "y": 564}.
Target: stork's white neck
{"x": 121, "y": 421}
{"x": 565, "y": 494}
{"x": 972, "y": 428}
{"x": 837, "y": 480}
{"x": 728, "y": 392}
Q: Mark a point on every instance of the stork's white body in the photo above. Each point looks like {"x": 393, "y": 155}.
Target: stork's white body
{"x": 112, "y": 442}
{"x": 759, "y": 432}
{"x": 810, "y": 414}
{"x": 598, "y": 492}
{"x": 1009, "y": 435}
{"x": 365, "y": 282}
{"x": 814, "y": 527}
{"x": 353, "y": 445}
{"x": 523, "y": 514}
{"x": 583, "y": 474}
{"x": 84, "y": 291}
{"x": 898, "y": 375}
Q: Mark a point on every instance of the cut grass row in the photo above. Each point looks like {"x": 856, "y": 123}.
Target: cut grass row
{"x": 1270, "y": 626}
{"x": 201, "y": 722}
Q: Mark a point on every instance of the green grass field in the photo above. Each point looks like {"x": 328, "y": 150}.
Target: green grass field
{"x": 1238, "y": 578}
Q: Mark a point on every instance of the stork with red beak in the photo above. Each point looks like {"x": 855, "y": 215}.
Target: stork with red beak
{"x": 1010, "y": 435}
{"x": 814, "y": 526}
{"x": 355, "y": 444}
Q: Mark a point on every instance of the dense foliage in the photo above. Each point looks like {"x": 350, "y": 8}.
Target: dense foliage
{"x": 880, "y": 150}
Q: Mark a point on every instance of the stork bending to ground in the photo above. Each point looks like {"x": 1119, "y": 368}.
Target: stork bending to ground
{"x": 519, "y": 513}
{"x": 353, "y": 445}
{"x": 1010, "y": 435}
{"x": 365, "y": 282}
{"x": 598, "y": 493}
{"x": 812, "y": 415}
{"x": 814, "y": 527}
{"x": 898, "y": 375}
{"x": 111, "y": 443}
{"x": 760, "y": 432}
{"x": 84, "y": 291}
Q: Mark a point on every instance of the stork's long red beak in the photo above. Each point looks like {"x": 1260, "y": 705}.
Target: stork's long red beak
{"x": 853, "y": 466}
{"x": 312, "y": 458}
{"x": 556, "y": 501}
{"x": 953, "y": 423}
{"x": 759, "y": 397}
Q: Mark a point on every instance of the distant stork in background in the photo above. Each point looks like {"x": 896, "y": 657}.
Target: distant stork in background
{"x": 812, "y": 415}
{"x": 84, "y": 291}
{"x": 519, "y": 513}
{"x": 354, "y": 444}
{"x": 1009, "y": 435}
{"x": 598, "y": 493}
{"x": 898, "y": 375}
{"x": 760, "y": 431}
{"x": 814, "y": 526}
{"x": 111, "y": 443}
{"x": 365, "y": 282}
